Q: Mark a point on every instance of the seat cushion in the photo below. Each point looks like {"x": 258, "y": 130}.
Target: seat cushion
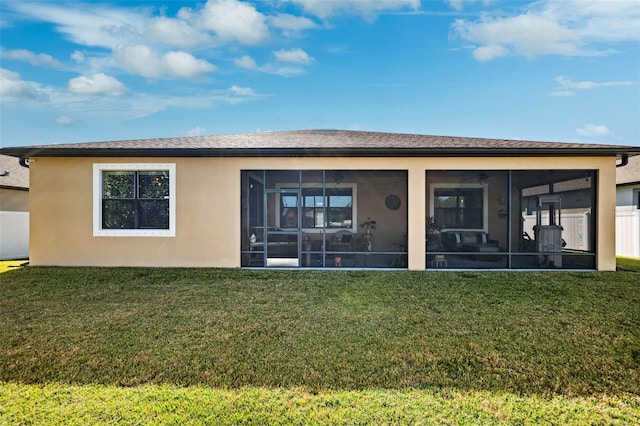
{"x": 481, "y": 248}
{"x": 469, "y": 238}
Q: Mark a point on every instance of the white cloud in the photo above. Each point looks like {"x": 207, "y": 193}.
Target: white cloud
{"x": 176, "y": 32}
{"x": 549, "y": 27}
{"x": 296, "y": 56}
{"x": 288, "y": 63}
{"x": 141, "y": 60}
{"x": 459, "y": 4}
{"x": 233, "y": 20}
{"x": 64, "y": 120}
{"x": 295, "y": 59}
{"x": 145, "y": 61}
{"x": 78, "y": 56}
{"x": 87, "y": 24}
{"x": 235, "y": 94}
{"x": 97, "y": 84}
{"x": 183, "y": 64}
{"x": 290, "y": 24}
{"x": 37, "y": 59}
{"x": 162, "y": 47}
{"x": 196, "y": 131}
{"x": 366, "y": 8}
{"x": 282, "y": 70}
{"x": 487, "y": 53}
{"x": 594, "y": 131}
{"x": 527, "y": 35}
{"x": 569, "y": 84}
{"x": 456, "y": 4}
{"x": 568, "y": 87}
{"x": 245, "y": 61}
{"x": 124, "y": 31}
{"x": 111, "y": 26}
{"x": 241, "y": 91}
{"x": 598, "y": 21}
{"x": 13, "y": 87}
{"x": 149, "y": 104}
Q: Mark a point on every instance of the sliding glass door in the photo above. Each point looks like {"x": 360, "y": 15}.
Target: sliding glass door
{"x": 282, "y": 233}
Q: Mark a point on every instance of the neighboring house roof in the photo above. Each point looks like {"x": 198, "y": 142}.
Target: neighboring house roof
{"x": 12, "y": 174}
{"x": 629, "y": 174}
{"x": 318, "y": 143}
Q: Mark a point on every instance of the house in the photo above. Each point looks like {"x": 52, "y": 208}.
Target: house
{"x": 324, "y": 199}
{"x": 14, "y": 209}
{"x": 628, "y": 209}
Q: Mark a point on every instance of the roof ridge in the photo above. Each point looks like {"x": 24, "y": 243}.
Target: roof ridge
{"x": 318, "y": 142}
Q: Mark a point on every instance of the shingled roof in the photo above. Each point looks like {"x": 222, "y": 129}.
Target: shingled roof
{"x": 12, "y": 175}
{"x": 318, "y": 143}
{"x": 630, "y": 174}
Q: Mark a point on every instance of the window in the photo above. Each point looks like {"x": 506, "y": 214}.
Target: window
{"x": 134, "y": 199}
{"x": 459, "y": 207}
{"x": 336, "y": 204}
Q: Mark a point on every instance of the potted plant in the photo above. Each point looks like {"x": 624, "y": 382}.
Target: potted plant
{"x": 368, "y": 226}
{"x": 432, "y": 226}
{"x": 400, "y": 260}
{"x": 434, "y": 239}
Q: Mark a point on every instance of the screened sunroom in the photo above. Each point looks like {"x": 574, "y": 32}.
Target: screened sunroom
{"x": 324, "y": 218}
{"x": 520, "y": 219}
{"x": 490, "y": 219}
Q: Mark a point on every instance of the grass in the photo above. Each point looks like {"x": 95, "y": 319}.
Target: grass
{"x": 133, "y": 345}
{"x": 165, "y": 404}
{"x": 628, "y": 264}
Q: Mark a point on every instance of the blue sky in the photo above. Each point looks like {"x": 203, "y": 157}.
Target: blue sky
{"x": 550, "y": 70}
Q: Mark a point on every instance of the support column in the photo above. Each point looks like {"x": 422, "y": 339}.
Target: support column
{"x": 606, "y": 218}
{"x": 416, "y": 212}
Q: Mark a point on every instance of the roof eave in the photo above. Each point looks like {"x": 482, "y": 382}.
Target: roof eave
{"x": 29, "y": 152}
{"x": 15, "y": 188}
{"x": 637, "y": 182}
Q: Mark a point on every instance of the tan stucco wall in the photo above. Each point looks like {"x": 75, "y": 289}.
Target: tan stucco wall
{"x": 208, "y": 207}
{"x": 606, "y": 219}
{"x": 14, "y": 200}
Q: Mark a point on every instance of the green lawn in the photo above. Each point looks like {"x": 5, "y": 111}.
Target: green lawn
{"x": 105, "y": 345}
{"x": 628, "y": 264}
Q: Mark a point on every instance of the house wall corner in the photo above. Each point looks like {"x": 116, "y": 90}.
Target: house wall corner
{"x": 606, "y": 222}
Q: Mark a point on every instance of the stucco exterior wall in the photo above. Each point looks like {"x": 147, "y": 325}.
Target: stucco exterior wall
{"x": 208, "y": 207}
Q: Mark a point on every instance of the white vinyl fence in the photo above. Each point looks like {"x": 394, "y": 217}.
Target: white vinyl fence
{"x": 576, "y": 231}
{"x": 14, "y": 235}
{"x": 628, "y": 233}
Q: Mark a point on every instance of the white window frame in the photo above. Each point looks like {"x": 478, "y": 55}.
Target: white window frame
{"x": 485, "y": 202}
{"x": 98, "y": 231}
{"x": 354, "y": 207}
